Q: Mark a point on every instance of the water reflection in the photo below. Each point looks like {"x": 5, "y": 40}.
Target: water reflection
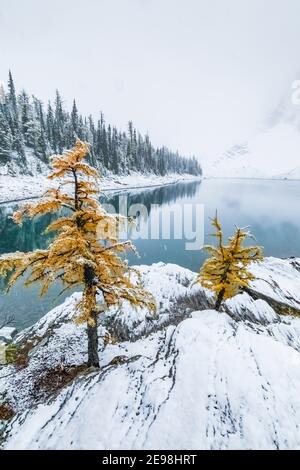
{"x": 26, "y": 237}
{"x": 271, "y": 208}
{"x": 161, "y": 195}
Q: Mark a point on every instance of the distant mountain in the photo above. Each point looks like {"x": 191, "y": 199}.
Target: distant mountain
{"x": 233, "y": 163}
{"x": 273, "y": 153}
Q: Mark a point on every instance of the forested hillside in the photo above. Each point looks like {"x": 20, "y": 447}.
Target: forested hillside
{"x": 30, "y": 132}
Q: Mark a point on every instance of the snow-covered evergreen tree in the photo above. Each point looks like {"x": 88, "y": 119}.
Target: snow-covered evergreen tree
{"x": 5, "y": 139}
{"x": 26, "y": 126}
{"x": 13, "y": 119}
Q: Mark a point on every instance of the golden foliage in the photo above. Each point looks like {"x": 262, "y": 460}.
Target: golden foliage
{"x": 10, "y": 353}
{"x": 85, "y": 250}
{"x": 225, "y": 272}
{"x": 71, "y": 161}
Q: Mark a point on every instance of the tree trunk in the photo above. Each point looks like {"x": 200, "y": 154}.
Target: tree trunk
{"x": 219, "y": 300}
{"x": 93, "y": 357}
{"x": 92, "y": 332}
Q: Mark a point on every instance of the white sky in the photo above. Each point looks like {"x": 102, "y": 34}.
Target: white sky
{"x": 199, "y": 75}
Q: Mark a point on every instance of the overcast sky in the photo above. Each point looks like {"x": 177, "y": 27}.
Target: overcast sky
{"x": 199, "y": 75}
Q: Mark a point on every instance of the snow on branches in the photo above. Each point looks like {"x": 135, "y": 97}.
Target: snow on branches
{"x": 85, "y": 251}
{"x": 225, "y": 272}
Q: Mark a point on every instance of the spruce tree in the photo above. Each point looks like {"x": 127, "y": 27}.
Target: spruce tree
{"x": 104, "y": 146}
{"x": 12, "y": 113}
{"x": 12, "y": 96}
{"x": 42, "y": 146}
{"x": 59, "y": 123}
{"x": 2, "y": 94}
{"x": 99, "y": 143}
{"x": 81, "y": 130}
{"x": 225, "y": 272}
{"x": 115, "y": 159}
{"x": 85, "y": 250}
{"x": 50, "y": 128}
{"x": 74, "y": 120}
{"x": 25, "y": 112}
{"x": 109, "y": 146}
{"x": 5, "y": 138}
{"x": 18, "y": 145}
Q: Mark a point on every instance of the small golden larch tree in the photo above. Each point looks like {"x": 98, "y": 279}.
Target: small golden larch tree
{"x": 85, "y": 250}
{"x": 225, "y": 272}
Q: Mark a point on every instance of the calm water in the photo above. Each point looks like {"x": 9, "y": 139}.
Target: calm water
{"x": 271, "y": 208}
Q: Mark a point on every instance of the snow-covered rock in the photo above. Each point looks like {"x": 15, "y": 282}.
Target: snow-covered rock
{"x": 7, "y": 333}
{"x": 278, "y": 279}
{"x": 191, "y": 378}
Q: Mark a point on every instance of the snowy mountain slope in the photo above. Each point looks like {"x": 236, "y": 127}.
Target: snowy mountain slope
{"x": 194, "y": 380}
{"x": 207, "y": 383}
{"x": 273, "y": 153}
{"x": 294, "y": 174}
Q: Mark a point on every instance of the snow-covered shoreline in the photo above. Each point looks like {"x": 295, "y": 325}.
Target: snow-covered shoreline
{"x": 254, "y": 178}
{"x": 191, "y": 378}
{"x": 18, "y": 188}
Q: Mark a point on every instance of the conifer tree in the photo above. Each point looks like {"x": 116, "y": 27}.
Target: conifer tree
{"x": 12, "y": 95}
{"x": 41, "y": 145}
{"x": 74, "y": 119}
{"x": 5, "y": 138}
{"x": 115, "y": 160}
{"x": 25, "y": 112}
{"x": 18, "y": 144}
{"x": 104, "y": 146}
{"x": 81, "y": 130}
{"x": 2, "y": 94}
{"x": 13, "y": 119}
{"x": 59, "y": 123}
{"x": 85, "y": 250}
{"x": 54, "y": 131}
{"x": 225, "y": 272}
{"x": 50, "y": 128}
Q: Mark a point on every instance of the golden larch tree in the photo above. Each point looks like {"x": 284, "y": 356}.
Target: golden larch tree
{"x": 225, "y": 272}
{"x": 85, "y": 251}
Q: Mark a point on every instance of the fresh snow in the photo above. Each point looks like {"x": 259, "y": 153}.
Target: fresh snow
{"x": 273, "y": 153}
{"x": 7, "y": 333}
{"x": 190, "y": 378}
{"x": 14, "y": 188}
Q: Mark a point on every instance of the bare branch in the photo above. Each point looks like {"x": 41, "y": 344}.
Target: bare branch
{"x": 8, "y": 320}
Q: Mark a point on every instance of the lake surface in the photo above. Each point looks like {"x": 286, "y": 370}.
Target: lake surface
{"x": 270, "y": 208}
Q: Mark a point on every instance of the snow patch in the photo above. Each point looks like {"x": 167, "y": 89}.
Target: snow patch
{"x": 14, "y": 188}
